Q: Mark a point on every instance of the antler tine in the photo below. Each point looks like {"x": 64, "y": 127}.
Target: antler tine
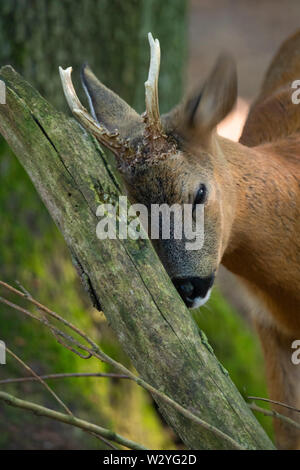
{"x": 109, "y": 139}
{"x": 151, "y": 85}
{"x": 69, "y": 90}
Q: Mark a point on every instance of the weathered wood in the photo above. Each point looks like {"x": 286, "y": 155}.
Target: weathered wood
{"x": 125, "y": 277}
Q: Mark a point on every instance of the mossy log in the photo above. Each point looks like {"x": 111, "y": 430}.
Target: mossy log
{"x": 124, "y": 277}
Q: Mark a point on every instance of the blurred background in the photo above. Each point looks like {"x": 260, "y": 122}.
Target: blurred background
{"x": 36, "y": 36}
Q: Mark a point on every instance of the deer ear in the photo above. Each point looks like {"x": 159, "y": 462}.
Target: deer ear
{"x": 217, "y": 98}
{"x": 109, "y": 109}
{"x": 202, "y": 112}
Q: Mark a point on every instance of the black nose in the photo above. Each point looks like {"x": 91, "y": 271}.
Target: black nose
{"x": 191, "y": 288}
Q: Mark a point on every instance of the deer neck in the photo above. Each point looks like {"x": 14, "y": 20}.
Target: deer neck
{"x": 262, "y": 245}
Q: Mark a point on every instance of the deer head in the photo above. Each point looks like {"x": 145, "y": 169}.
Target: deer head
{"x": 174, "y": 159}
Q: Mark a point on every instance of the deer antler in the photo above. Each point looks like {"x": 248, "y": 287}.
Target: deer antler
{"x": 111, "y": 140}
{"x": 155, "y": 139}
{"x": 151, "y": 85}
{"x": 138, "y": 138}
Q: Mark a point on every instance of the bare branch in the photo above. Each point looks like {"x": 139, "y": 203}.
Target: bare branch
{"x": 95, "y": 351}
{"x": 64, "y": 376}
{"x": 279, "y": 403}
{"x": 274, "y": 414}
{"x": 44, "y": 309}
{"x": 39, "y": 379}
{"x": 72, "y": 420}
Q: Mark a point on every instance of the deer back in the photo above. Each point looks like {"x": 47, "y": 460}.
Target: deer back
{"x": 273, "y": 115}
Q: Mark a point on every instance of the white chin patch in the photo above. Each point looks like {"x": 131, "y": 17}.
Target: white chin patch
{"x": 199, "y": 301}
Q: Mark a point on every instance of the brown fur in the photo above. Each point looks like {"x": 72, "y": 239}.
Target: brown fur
{"x": 269, "y": 256}
{"x": 252, "y": 214}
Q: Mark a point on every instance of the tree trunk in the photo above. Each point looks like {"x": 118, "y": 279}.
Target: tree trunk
{"x": 37, "y": 36}
{"x": 124, "y": 277}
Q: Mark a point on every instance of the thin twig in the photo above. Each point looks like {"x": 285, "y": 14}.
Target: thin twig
{"x": 72, "y": 420}
{"x": 53, "y": 331}
{"x": 108, "y": 443}
{"x": 274, "y": 414}
{"x": 39, "y": 379}
{"x": 95, "y": 351}
{"x": 279, "y": 403}
{"x": 63, "y": 376}
{"x": 52, "y": 328}
{"x": 49, "y": 312}
{"x": 25, "y": 291}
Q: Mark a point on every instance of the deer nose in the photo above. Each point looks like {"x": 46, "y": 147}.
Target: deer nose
{"x": 194, "y": 291}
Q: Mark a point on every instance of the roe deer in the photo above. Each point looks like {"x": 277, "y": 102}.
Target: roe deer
{"x": 251, "y": 193}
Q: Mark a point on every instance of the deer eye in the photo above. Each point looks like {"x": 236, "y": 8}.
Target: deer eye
{"x": 201, "y": 195}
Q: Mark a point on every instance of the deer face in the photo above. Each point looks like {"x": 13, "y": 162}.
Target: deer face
{"x": 173, "y": 159}
{"x": 196, "y": 178}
